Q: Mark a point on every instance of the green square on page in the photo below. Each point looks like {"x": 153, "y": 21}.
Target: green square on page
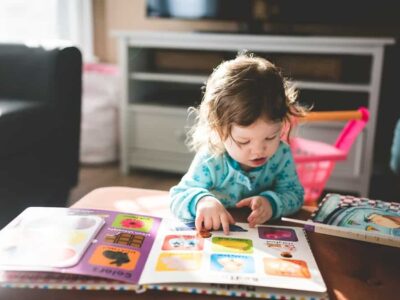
{"x": 133, "y": 222}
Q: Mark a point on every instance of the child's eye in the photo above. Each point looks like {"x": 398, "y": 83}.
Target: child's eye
{"x": 270, "y": 138}
{"x": 243, "y": 143}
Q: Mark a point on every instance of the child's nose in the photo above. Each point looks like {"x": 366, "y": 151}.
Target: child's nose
{"x": 259, "y": 148}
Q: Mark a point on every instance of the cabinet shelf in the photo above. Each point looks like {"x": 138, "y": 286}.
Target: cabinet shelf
{"x": 169, "y": 77}
{"x": 201, "y": 79}
{"x": 328, "y": 86}
{"x": 152, "y": 108}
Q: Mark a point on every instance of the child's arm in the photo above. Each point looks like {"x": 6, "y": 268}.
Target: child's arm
{"x": 192, "y": 199}
{"x": 194, "y": 185}
{"x": 287, "y": 197}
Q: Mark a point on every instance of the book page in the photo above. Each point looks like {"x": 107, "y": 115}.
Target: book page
{"x": 42, "y": 239}
{"x": 140, "y": 249}
{"x": 269, "y": 256}
{"x": 99, "y": 243}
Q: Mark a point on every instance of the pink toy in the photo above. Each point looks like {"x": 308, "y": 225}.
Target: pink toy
{"x": 315, "y": 160}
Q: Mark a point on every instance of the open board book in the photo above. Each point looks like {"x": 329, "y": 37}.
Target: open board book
{"x": 98, "y": 249}
{"x": 364, "y": 219}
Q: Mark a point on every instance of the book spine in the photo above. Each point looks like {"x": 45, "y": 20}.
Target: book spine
{"x": 74, "y": 286}
{"x": 225, "y": 290}
{"x": 306, "y": 236}
{"x": 354, "y": 234}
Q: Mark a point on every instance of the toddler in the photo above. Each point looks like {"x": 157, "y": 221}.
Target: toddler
{"x": 241, "y": 159}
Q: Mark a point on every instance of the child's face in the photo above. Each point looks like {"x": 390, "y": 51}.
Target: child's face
{"x": 253, "y": 145}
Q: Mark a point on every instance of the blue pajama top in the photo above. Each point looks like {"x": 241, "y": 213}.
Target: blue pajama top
{"x": 222, "y": 177}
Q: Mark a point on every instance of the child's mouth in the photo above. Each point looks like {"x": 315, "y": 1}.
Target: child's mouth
{"x": 259, "y": 161}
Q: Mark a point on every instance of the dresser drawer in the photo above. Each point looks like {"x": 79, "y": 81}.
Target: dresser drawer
{"x": 162, "y": 129}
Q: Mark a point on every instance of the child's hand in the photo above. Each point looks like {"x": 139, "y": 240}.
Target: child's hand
{"x": 212, "y": 214}
{"x": 261, "y": 209}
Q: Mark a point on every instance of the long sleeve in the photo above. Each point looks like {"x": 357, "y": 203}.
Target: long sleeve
{"x": 194, "y": 185}
{"x": 286, "y": 195}
{"x": 221, "y": 177}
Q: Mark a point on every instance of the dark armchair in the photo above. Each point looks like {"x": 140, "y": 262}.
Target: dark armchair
{"x": 40, "y": 111}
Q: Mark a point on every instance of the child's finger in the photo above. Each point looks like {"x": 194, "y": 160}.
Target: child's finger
{"x": 199, "y": 222}
{"x": 255, "y": 203}
{"x": 225, "y": 223}
{"x": 216, "y": 222}
{"x": 244, "y": 202}
{"x": 253, "y": 217}
{"x": 255, "y": 213}
{"x": 261, "y": 218}
{"x": 207, "y": 223}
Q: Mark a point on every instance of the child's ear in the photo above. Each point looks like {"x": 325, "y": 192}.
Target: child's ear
{"x": 285, "y": 131}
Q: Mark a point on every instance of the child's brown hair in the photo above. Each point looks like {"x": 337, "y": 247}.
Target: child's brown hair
{"x": 240, "y": 91}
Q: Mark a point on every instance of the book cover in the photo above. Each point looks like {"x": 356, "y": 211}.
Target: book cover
{"x": 373, "y": 216}
{"x": 363, "y": 219}
{"x": 98, "y": 249}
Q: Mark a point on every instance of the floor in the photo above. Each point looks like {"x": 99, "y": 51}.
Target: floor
{"x": 95, "y": 176}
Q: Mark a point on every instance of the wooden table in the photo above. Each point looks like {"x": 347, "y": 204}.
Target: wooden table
{"x": 351, "y": 269}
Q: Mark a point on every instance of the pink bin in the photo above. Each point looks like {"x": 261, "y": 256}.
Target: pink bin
{"x": 315, "y": 161}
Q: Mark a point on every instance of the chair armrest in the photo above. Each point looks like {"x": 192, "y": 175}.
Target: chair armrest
{"x": 34, "y": 73}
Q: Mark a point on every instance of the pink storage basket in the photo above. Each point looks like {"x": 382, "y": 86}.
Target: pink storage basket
{"x": 315, "y": 161}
